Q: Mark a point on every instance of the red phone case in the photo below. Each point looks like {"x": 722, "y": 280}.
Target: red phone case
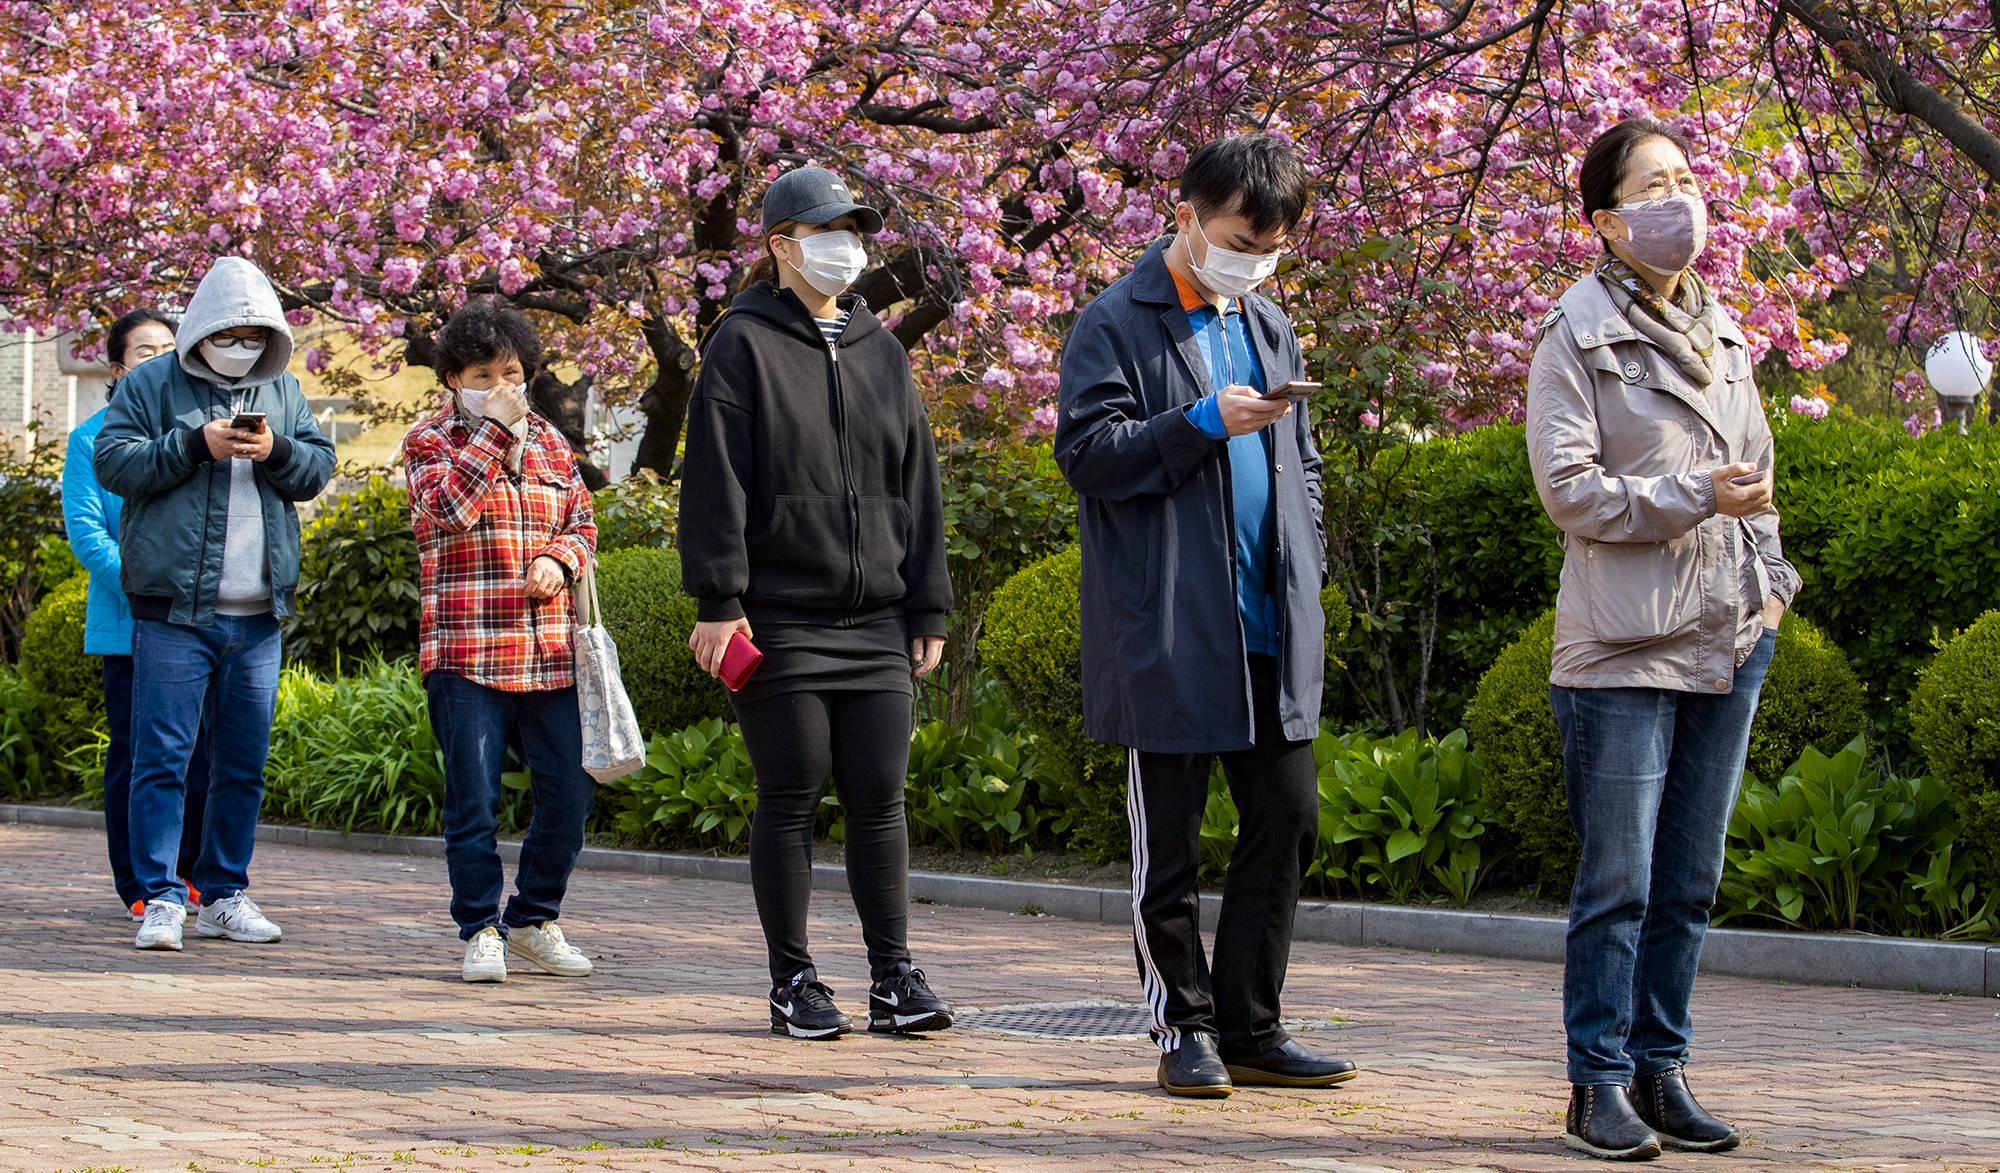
{"x": 739, "y": 660}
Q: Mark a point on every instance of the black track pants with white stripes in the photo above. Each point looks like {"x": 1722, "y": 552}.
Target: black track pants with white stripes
{"x": 1276, "y": 790}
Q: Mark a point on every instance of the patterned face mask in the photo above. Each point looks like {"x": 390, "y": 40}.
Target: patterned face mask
{"x": 1667, "y": 234}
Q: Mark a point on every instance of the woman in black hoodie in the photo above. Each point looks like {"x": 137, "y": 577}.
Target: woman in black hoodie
{"x": 811, "y": 521}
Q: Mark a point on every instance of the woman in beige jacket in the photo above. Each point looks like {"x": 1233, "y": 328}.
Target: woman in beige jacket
{"x": 1651, "y": 452}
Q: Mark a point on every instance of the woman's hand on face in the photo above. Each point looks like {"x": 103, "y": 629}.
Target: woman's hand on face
{"x": 1734, "y": 500}
{"x": 711, "y": 640}
{"x": 925, "y": 652}
{"x": 508, "y": 404}
{"x": 545, "y": 577}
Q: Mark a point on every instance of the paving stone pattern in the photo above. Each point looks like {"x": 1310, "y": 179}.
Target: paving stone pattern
{"x": 352, "y": 1045}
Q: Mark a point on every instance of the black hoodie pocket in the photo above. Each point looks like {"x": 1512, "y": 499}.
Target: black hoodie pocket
{"x": 885, "y": 540}
{"x": 805, "y": 552}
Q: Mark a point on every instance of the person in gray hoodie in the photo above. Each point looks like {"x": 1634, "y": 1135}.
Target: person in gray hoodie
{"x": 209, "y": 453}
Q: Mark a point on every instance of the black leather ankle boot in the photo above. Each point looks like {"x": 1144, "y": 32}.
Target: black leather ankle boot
{"x": 1665, "y": 1104}
{"x": 1603, "y": 1123}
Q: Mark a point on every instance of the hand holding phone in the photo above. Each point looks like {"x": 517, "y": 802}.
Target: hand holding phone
{"x": 1294, "y": 391}
{"x": 249, "y": 421}
{"x": 1748, "y": 479}
{"x": 739, "y": 659}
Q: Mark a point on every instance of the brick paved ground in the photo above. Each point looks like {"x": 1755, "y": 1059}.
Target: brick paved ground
{"x": 353, "y": 1045}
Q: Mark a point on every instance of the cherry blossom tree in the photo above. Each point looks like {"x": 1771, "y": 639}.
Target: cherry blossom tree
{"x": 599, "y": 163}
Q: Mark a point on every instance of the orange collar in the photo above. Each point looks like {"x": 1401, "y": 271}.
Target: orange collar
{"x": 1192, "y": 301}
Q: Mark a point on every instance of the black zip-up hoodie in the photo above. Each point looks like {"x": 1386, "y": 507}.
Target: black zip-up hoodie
{"x": 809, "y": 489}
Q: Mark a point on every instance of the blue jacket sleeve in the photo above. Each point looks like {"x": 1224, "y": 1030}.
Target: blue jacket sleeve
{"x": 1106, "y": 443}
{"x": 302, "y": 458}
{"x": 90, "y": 536}
{"x": 141, "y": 449}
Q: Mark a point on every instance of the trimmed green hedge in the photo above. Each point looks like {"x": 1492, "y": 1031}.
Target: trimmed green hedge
{"x": 53, "y": 664}
{"x": 1956, "y": 718}
{"x": 358, "y": 581}
{"x": 1810, "y": 699}
{"x": 650, "y": 620}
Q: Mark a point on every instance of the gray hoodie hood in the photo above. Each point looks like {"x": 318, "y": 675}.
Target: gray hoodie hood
{"x": 235, "y": 293}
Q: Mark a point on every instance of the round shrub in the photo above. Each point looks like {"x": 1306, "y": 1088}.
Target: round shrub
{"x": 1032, "y": 640}
{"x": 1956, "y": 718}
{"x": 1811, "y": 697}
{"x": 1520, "y": 754}
{"x": 358, "y": 575}
{"x": 53, "y": 665}
{"x": 650, "y": 620}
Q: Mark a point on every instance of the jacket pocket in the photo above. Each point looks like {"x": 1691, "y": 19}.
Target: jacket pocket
{"x": 885, "y": 541}
{"x": 804, "y": 553}
{"x": 1640, "y": 591}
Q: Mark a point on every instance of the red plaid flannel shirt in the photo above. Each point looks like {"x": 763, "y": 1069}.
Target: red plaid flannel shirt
{"x": 478, "y": 526}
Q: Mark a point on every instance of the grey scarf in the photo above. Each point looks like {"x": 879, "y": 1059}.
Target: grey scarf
{"x": 1685, "y": 333}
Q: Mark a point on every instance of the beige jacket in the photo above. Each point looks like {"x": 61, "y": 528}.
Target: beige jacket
{"x": 1658, "y": 590}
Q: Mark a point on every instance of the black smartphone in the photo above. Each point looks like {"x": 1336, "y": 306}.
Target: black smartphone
{"x": 253, "y": 420}
{"x": 1295, "y": 390}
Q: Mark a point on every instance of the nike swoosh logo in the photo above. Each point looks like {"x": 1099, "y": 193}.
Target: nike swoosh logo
{"x": 891, "y": 998}
{"x": 907, "y": 1019}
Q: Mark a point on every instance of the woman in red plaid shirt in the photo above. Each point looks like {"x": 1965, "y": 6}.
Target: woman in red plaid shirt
{"x": 503, "y": 527}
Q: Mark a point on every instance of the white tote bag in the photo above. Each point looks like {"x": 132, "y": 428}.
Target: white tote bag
{"x": 612, "y": 744}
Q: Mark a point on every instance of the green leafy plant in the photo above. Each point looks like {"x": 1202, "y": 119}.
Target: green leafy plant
{"x": 1811, "y": 698}
{"x": 29, "y": 765}
{"x": 1402, "y": 816}
{"x": 1221, "y": 826}
{"x": 30, "y": 516}
{"x": 650, "y": 619}
{"x": 356, "y": 753}
{"x": 972, "y": 785}
{"x": 358, "y": 581}
{"x": 1833, "y": 846}
{"x": 696, "y": 787}
{"x": 53, "y": 664}
{"x": 641, "y": 510}
{"x": 1956, "y": 718}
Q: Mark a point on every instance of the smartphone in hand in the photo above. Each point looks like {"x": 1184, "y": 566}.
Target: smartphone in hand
{"x": 248, "y": 420}
{"x": 1748, "y": 478}
{"x": 1295, "y": 390}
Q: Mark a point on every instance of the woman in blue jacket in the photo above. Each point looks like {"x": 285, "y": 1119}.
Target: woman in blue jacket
{"x": 90, "y": 514}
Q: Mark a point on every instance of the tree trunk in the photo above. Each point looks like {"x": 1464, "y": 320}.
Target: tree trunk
{"x": 665, "y": 403}
{"x": 562, "y": 404}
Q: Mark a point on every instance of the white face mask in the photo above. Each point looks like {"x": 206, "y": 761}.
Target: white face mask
{"x": 473, "y": 399}
{"x": 234, "y": 361}
{"x": 1228, "y": 272}
{"x": 833, "y": 260}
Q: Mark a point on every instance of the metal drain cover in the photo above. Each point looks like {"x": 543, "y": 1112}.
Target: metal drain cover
{"x": 1063, "y": 1020}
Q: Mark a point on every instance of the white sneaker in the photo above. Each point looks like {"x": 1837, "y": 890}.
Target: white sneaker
{"x": 485, "y": 957}
{"x": 162, "y": 927}
{"x": 237, "y": 918}
{"x": 543, "y": 944}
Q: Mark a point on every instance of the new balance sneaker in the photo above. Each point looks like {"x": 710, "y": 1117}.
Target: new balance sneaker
{"x": 485, "y": 957}
{"x": 138, "y": 910}
{"x": 543, "y": 945}
{"x": 162, "y": 926}
{"x": 803, "y": 1009}
{"x": 903, "y": 1004}
{"x": 237, "y": 918}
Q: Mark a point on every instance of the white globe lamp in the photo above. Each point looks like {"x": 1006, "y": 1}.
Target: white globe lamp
{"x": 1958, "y": 370}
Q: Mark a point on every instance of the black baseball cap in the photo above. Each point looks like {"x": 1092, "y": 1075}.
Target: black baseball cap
{"x": 814, "y": 195}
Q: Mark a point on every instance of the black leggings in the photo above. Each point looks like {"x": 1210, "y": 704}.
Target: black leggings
{"x": 795, "y": 739}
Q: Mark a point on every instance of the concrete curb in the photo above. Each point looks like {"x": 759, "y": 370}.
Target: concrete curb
{"x": 1883, "y": 963}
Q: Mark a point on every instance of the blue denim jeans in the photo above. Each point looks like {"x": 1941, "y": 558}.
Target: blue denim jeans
{"x": 117, "y": 677}
{"x": 227, "y": 671}
{"x": 475, "y": 725}
{"x": 1651, "y": 776}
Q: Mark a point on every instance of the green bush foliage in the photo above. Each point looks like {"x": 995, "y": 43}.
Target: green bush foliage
{"x": 1811, "y": 698}
{"x": 1896, "y": 539}
{"x": 70, "y": 684}
{"x": 356, "y": 753}
{"x": 1521, "y": 753}
{"x": 696, "y": 789}
{"x": 974, "y": 788}
{"x": 29, "y": 764}
{"x": 650, "y": 619}
{"x": 1833, "y": 847}
{"x": 1401, "y": 816}
{"x": 641, "y": 510}
{"x": 358, "y": 581}
{"x": 1461, "y": 508}
{"x": 1956, "y": 718}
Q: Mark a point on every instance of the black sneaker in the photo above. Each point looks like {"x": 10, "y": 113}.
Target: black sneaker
{"x": 903, "y": 1004}
{"x": 803, "y": 1009}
